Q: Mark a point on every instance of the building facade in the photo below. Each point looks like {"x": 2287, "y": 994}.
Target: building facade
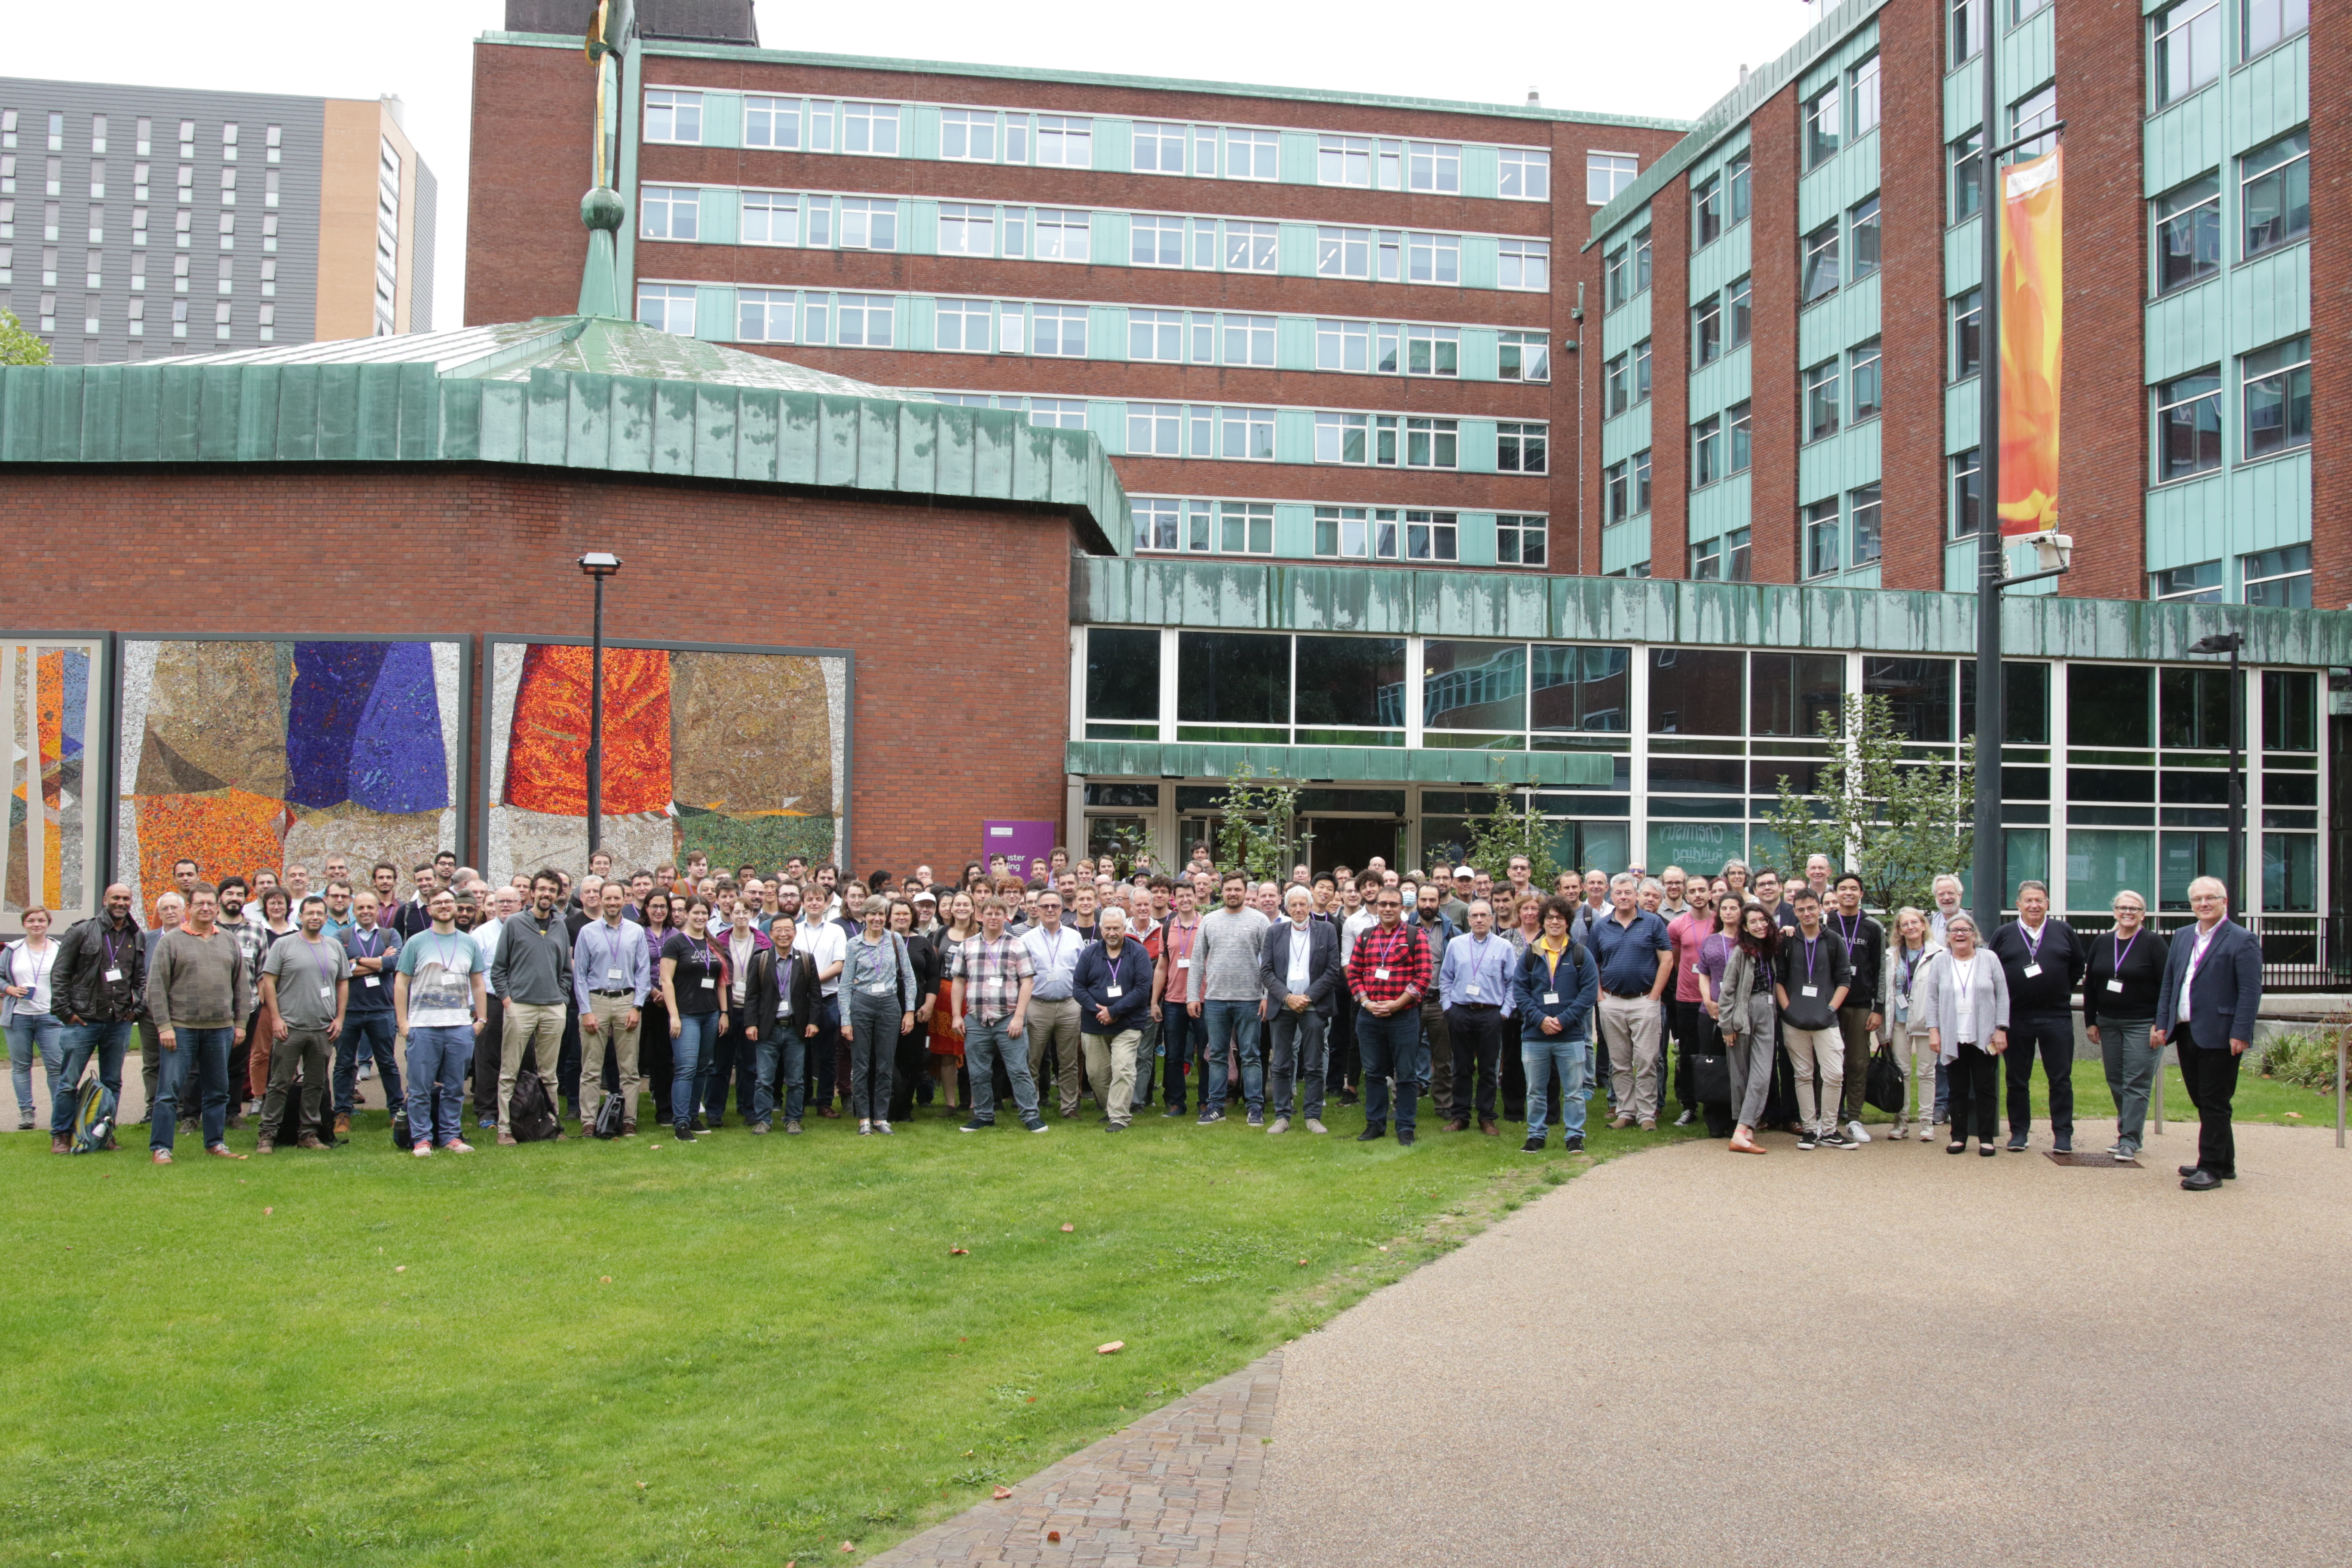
{"x": 139, "y": 222}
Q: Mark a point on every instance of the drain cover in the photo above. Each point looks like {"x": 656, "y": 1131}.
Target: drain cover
{"x": 2104, "y": 1162}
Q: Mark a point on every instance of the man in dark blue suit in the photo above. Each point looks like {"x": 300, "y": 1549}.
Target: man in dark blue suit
{"x": 2212, "y": 987}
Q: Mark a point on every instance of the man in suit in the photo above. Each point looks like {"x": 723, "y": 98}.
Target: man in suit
{"x": 1299, "y": 965}
{"x": 2213, "y": 988}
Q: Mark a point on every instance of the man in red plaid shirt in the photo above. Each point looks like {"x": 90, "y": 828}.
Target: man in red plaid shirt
{"x": 1389, "y": 973}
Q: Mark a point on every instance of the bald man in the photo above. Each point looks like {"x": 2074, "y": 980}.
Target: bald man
{"x": 102, "y": 970}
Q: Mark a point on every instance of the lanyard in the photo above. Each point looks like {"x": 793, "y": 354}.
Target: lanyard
{"x": 1846, "y": 931}
{"x": 2034, "y": 938}
{"x": 108, "y": 941}
{"x": 2123, "y": 951}
{"x": 442, "y": 957}
{"x": 373, "y": 935}
{"x": 1813, "y": 951}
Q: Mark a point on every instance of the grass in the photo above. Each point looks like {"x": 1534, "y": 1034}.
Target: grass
{"x": 744, "y": 1350}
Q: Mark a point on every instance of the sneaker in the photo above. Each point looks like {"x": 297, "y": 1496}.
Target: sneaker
{"x": 1257, "y": 1119}
{"x": 1649, "y": 1124}
{"x": 159, "y": 1157}
{"x": 1534, "y": 1145}
{"x": 1684, "y": 1118}
{"x": 1833, "y": 1138}
{"x": 1114, "y": 1126}
{"x": 485, "y": 1124}
{"x": 793, "y": 1128}
{"x": 458, "y": 1146}
{"x": 1372, "y": 1133}
{"x": 1037, "y": 1124}
{"x": 223, "y": 1150}
{"x": 1207, "y": 1116}
{"x": 681, "y": 1133}
{"x": 1575, "y": 1145}
{"x": 758, "y": 1128}
{"x": 2017, "y": 1144}
{"x": 422, "y": 1151}
{"x": 699, "y": 1125}
{"x": 1854, "y": 1133}
{"x": 25, "y": 1123}
{"x": 1809, "y": 1138}
{"x": 884, "y": 1128}
{"x": 2123, "y": 1156}
{"x": 865, "y": 1130}
{"x": 1314, "y": 1126}
{"x": 508, "y": 1139}
{"x": 1173, "y": 1110}
{"x": 2063, "y": 1143}
{"x": 1281, "y": 1124}
{"x": 974, "y": 1125}
{"x": 1927, "y": 1133}
{"x": 343, "y": 1126}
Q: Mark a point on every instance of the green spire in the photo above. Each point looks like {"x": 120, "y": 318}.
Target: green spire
{"x": 601, "y": 211}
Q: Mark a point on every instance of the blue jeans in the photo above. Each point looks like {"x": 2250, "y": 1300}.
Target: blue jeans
{"x": 1390, "y": 1048}
{"x": 107, "y": 1042}
{"x": 26, "y": 1032}
{"x": 783, "y": 1050}
{"x": 822, "y": 1052}
{"x": 984, "y": 1043}
{"x": 1178, "y": 1030}
{"x": 1539, "y": 1054}
{"x": 204, "y": 1052}
{"x": 1236, "y": 1023}
{"x": 690, "y": 1050}
{"x": 438, "y": 1058}
{"x": 366, "y": 1036}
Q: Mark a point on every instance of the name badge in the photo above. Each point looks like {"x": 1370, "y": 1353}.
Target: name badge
{"x": 372, "y": 980}
{"x": 113, "y": 976}
{"x": 2031, "y": 970}
{"x": 879, "y": 988}
{"x": 326, "y": 993}
{"x": 1183, "y": 964}
{"x": 1379, "y": 974}
{"x": 993, "y": 984}
{"x": 1113, "y": 992}
{"x": 710, "y": 982}
{"x": 612, "y": 974}
{"x": 1809, "y": 991}
{"x": 1473, "y": 992}
{"x": 1551, "y": 998}
{"x": 785, "y": 1008}
{"x": 2114, "y": 984}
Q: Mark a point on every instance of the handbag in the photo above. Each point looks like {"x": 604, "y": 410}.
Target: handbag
{"x": 1710, "y": 1076}
{"x": 1883, "y": 1086}
{"x": 609, "y": 1117}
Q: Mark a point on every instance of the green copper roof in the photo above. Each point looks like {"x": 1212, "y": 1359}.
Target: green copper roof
{"x": 567, "y": 392}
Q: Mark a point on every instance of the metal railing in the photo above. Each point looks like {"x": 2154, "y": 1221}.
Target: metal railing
{"x": 2300, "y": 953}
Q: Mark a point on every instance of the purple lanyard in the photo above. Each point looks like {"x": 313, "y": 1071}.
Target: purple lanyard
{"x": 2123, "y": 951}
{"x": 2034, "y": 938}
{"x": 1811, "y": 946}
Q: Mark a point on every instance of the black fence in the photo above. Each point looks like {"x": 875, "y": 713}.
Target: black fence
{"x": 2300, "y": 953}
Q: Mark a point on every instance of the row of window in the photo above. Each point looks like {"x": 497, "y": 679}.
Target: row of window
{"x": 2281, "y": 578}
{"x": 1964, "y": 183}
{"x": 142, "y": 145}
{"x": 1841, "y": 113}
{"x": 181, "y": 271}
{"x": 135, "y": 315}
{"x": 819, "y": 220}
{"x": 1721, "y": 202}
{"x": 1071, "y": 142}
{"x": 2185, "y": 48}
{"x": 2274, "y": 401}
{"x": 1208, "y": 526}
{"x": 1838, "y": 535}
{"x": 1844, "y": 250}
{"x": 183, "y": 227}
{"x": 53, "y": 182}
{"x": 1843, "y": 390}
{"x": 2274, "y": 210}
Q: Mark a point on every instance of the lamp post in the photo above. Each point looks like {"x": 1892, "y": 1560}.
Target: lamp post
{"x": 2232, "y": 643}
{"x": 598, "y": 565}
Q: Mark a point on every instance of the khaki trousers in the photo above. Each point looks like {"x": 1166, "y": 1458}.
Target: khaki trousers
{"x": 614, "y": 1029}
{"x": 1634, "y": 1030}
{"x": 1055, "y": 1023}
{"x": 536, "y": 1028}
{"x": 1110, "y": 1071}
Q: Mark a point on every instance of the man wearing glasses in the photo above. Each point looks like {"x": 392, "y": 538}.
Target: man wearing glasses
{"x": 1388, "y": 974}
{"x": 2213, "y": 988}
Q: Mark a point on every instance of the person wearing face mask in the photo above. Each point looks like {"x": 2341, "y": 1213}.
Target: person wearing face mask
{"x": 2123, "y": 973}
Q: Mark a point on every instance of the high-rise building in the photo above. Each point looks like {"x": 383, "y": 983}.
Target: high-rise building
{"x": 138, "y": 222}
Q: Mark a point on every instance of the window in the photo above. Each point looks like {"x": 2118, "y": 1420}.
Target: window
{"x": 1432, "y": 536}
{"x": 1341, "y": 438}
{"x": 1519, "y": 448}
{"x": 1339, "y": 530}
{"x": 1641, "y": 481}
{"x": 671, "y": 212}
{"x": 1519, "y": 539}
{"x": 1706, "y": 452}
{"x": 1433, "y": 258}
{"x": 1823, "y": 539}
{"x": 1706, "y": 560}
{"x": 1967, "y": 176}
{"x": 2198, "y": 584}
{"x": 1863, "y": 220}
{"x": 1738, "y": 447}
{"x": 1061, "y": 234}
{"x": 1863, "y": 88}
{"x": 1155, "y": 430}
{"x": 2278, "y": 397}
{"x": 1433, "y": 167}
{"x": 763, "y": 315}
{"x": 1706, "y": 212}
{"x": 966, "y": 135}
{"x": 1151, "y": 241}
{"x": 874, "y": 226}
{"x": 2268, "y": 21}
{"x": 665, "y": 307}
{"x": 1863, "y": 377}
{"x": 1525, "y": 174}
{"x": 2188, "y": 223}
{"x": 1706, "y": 330}
{"x": 1968, "y": 29}
{"x": 1059, "y": 330}
{"x": 2279, "y": 578}
{"x": 1739, "y": 187}
{"x": 776, "y": 123}
{"x": 1617, "y": 274}
{"x": 862, "y": 320}
{"x": 1606, "y": 173}
{"x": 1244, "y": 433}
{"x": 2028, "y": 114}
{"x": 1526, "y": 264}
{"x": 1523, "y": 356}
{"x": 1965, "y": 490}
{"x": 1821, "y": 272}
{"x": 1967, "y": 349}
{"x": 1616, "y": 495}
{"x": 1253, "y": 154}
{"x": 2184, "y": 49}
{"x": 673, "y": 116}
{"x": 1824, "y": 125}
{"x": 1245, "y": 529}
{"x": 1345, "y": 160}
{"x": 873, "y": 128}
{"x": 961, "y": 326}
{"x": 1339, "y": 346}
{"x": 97, "y": 179}
{"x": 1158, "y": 149}
{"x": 1057, "y": 412}
{"x": 1641, "y": 262}
{"x": 1250, "y": 247}
{"x": 2188, "y": 425}
{"x": 1738, "y": 311}
{"x": 1428, "y": 351}
{"x": 1431, "y": 442}
{"x": 1822, "y": 400}
{"x": 1736, "y": 556}
{"x": 2275, "y": 185}
{"x": 965, "y": 230}
{"x": 1864, "y": 505}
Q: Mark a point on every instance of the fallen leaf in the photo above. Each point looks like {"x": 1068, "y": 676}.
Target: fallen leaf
{"x": 968, "y": 1453}
{"x": 1384, "y": 1249}
{"x": 958, "y": 1252}
{"x": 1002, "y": 1493}
{"x": 1302, "y": 1263}
{"x": 400, "y": 1268}
{"x": 1054, "y": 1535}
{"x": 849, "y": 1546}
{"x": 270, "y": 1211}
{"x": 1070, "y": 1228}
{"x": 2295, "y": 1115}
{"x": 1033, "y": 1399}
{"x": 608, "y": 1279}
{"x": 641, "y": 1486}
{"x": 1111, "y": 1349}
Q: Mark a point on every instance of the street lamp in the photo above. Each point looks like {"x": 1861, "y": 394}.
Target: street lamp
{"x": 2231, "y": 643}
{"x": 598, "y": 565}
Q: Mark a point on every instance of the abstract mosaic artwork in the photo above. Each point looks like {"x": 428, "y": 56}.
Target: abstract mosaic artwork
{"x": 48, "y": 857}
{"x": 250, "y": 755}
{"x": 739, "y": 754}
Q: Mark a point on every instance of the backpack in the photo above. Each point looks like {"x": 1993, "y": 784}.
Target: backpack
{"x": 532, "y": 1115}
{"x": 290, "y": 1120}
{"x": 93, "y": 1121}
{"x": 401, "y": 1138}
{"x": 608, "y": 1115}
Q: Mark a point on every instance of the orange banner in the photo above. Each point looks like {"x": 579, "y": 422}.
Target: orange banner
{"x": 2031, "y": 276}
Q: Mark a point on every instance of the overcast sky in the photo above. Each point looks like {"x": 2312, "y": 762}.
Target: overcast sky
{"x": 1664, "y": 58}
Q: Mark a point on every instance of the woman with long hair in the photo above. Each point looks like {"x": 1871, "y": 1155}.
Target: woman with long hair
{"x": 693, "y": 978}
{"x": 1745, "y": 1014}
{"x": 946, "y": 1046}
{"x": 653, "y": 1054}
{"x": 1906, "y": 1026}
{"x": 906, "y": 1064}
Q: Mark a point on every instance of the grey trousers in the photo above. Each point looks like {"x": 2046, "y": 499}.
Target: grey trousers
{"x": 2131, "y": 1074}
{"x": 1749, "y": 1059}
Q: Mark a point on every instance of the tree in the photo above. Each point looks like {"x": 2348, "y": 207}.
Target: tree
{"x": 1260, "y": 813}
{"x": 18, "y": 346}
{"x": 1510, "y": 828}
{"x": 1897, "y": 822}
{"x": 1125, "y": 843}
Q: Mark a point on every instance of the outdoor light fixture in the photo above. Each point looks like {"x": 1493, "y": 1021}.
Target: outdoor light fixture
{"x": 598, "y": 565}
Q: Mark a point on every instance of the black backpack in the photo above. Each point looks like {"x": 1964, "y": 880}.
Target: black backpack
{"x": 530, "y": 1115}
{"x": 290, "y": 1120}
{"x": 608, "y": 1115}
{"x": 401, "y": 1138}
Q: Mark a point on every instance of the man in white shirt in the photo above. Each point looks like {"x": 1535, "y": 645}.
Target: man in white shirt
{"x": 827, "y": 946}
{"x": 1053, "y": 949}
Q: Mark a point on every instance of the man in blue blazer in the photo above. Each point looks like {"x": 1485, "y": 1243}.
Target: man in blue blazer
{"x": 2213, "y": 988}
{"x": 1299, "y": 967}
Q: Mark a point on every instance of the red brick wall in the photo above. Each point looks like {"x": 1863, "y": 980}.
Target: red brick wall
{"x": 486, "y": 549}
{"x": 528, "y": 166}
{"x": 1670, "y": 379}
{"x": 2331, "y": 300}
{"x": 2103, "y": 462}
{"x": 1911, "y": 308}
{"x": 1773, "y": 492}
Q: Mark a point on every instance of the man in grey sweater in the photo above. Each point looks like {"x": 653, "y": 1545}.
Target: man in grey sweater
{"x": 199, "y": 995}
{"x": 1227, "y": 990}
{"x": 532, "y": 971}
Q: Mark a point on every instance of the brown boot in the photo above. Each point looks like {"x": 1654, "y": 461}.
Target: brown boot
{"x": 265, "y": 1145}
{"x": 343, "y": 1126}
{"x": 310, "y": 1140}
{"x": 1489, "y": 1128}
{"x": 506, "y": 1139}
{"x": 60, "y": 1145}
{"x": 1457, "y": 1126}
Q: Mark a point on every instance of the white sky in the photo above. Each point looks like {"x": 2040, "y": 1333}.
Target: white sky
{"x": 1664, "y": 58}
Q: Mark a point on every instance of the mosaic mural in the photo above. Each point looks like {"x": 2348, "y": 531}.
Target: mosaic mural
{"x": 48, "y": 856}
{"x": 739, "y": 754}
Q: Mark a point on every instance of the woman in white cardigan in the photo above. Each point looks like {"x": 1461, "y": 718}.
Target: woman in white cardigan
{"x": 1965, "y": 1001}
{"x": 1907, "y": 1023}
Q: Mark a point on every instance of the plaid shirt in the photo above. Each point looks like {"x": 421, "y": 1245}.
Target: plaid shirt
{"x": 1402, "y": 950}
{"x": 991, "y": 973}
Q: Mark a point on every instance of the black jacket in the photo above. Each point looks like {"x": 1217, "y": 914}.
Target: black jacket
{"x": 81, "y": 988}
{"x": 762, "y": 994}
{"x": 2060, "y": 961}
{"x": 1866, "y": 953}
{"x": 1324, "y": 976}
{"x": 1831, "y": 969}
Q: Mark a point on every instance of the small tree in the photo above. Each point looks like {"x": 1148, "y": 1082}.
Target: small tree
{"x": 1509, "y": 828}
{"x": 18, "y": 346}
{"x": 1126, "y": 843}
{"x": 1260, "y": 813}
{"x": 1896, "y": 822}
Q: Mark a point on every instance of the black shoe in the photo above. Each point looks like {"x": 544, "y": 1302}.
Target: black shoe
{"x": 683, "y": 1134}
{"x": 2063, "y": 1144}
{"x": 2017, "y": 1143}
{"x": 1036, "y": 1124}
{"x": 977, "y": 1125}
{"x": 1173, "y": 1110}
{"x": 1405, "y": 1138}
{"x": 1985, "y": 1150}
{"x": 1257, "y": 1119}
{"x": 2191, "y": 1170}
{"x": 1532, "y": 1146}
{"x": 1575, "y": 1145}
{"x": 1109, "y": 1126}
{"x": 2200, "y": 1182}
{"x": 1957, "y": 1146}
{"x": 700, "y": 1125}
{"x": 1372, "y": 1133}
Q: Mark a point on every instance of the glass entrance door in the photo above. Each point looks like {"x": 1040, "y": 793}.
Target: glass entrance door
{"x": 1351, "y": 841}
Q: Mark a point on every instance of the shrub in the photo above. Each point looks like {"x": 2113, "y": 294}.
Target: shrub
{"x": 2306, "y": 1058}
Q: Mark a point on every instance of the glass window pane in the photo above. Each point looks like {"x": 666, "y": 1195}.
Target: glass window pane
{"x": 1352, "y": 680}
{"x": 1474, "y": 685}
{"x": 1581, "y": 689}
{"x": 2109, "y": 705}
{"x": 1233, "y": 678}
{"x": 2026, "y": 689}
{"x": 1918, "y": 693}
{"x": 1697, "y": 692}
{"x": 2288, "y": 699}
{"x": 2101, "y": 863}
{"x": 2290, "y": 873}
{"x": 1122, "y": 673}
{"x": 2194, "y": 706}
{"x": 1792, "y": 691}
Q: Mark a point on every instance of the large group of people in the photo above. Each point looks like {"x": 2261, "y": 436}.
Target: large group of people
{"x": 1757, "y": 999}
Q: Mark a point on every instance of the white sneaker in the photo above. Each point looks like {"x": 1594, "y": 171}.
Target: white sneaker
{"x": 1314, "y": 1126}
{"x": 1854, "y": 1131}
{"x": 1928, "y": 1132}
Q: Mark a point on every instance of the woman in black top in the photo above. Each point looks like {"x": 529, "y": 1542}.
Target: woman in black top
{"x": 654, "y": 1054}
{"x": 693, "y": 979}
{"x": 914, "y": 1048}
{"x": 2119, "y": 989}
